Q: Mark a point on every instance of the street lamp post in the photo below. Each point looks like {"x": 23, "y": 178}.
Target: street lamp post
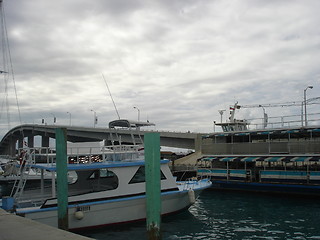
{"x": 221, "y": 113}
{"x": 302, "y": 103}
{"x": 69, "y": 118}
{"x": 305, "y": 104}
{"x": 138, "y": 113}
{"x": 54, "y": 118}
{"x": 95, "y": 119}
{"x": 264, "y": 117}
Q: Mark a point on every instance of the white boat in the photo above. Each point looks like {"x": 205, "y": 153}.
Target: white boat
{"x": 10, "y": 171}
{"x": 107, "y": 192}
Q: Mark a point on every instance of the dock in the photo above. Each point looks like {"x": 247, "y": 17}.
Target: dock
{"x": 14, "y": 227}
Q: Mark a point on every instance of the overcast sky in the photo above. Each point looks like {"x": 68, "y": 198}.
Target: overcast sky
{"x": 177, "y": 61}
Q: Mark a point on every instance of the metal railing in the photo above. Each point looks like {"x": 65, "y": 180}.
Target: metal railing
{"x": 262, "y": 147}
{"x": 288, "y": 121}
{"x": 78, "y": 155}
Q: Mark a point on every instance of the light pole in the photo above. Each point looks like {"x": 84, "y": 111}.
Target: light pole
{"x": 138, "y": 113}
{"x": 54, "y": 118}
{"x": 305, "y": 104}
{"x": 95, "y": 119}
{"x": 264, "y": 120}
{"x": 69, "y": 118}
{"x": 221, "y": 113}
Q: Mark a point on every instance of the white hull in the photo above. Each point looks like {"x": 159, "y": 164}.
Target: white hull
{"x": 112, "y": 211}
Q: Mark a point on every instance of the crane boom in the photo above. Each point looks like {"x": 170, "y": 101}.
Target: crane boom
{"x": 286, "y": 104}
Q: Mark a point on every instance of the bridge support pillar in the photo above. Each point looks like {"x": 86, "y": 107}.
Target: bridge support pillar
{"x": 45, "y": 141}
{"x": 198, "y": 143}
{"x": 12, "y": 146}
{"x": 31, "y": 141}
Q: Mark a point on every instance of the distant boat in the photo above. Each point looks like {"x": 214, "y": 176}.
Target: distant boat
{"x": 10, "y": 172}
{"x": 273, "y": 160}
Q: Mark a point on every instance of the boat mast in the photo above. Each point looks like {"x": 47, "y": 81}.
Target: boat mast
{"x": 115, "y": 107}
{"x": 232, "y": 112}
{"x": 6, "y": 69}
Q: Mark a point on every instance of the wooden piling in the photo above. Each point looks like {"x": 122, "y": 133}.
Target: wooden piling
{"x": 153, "y": 185}
{"x": 62, "y": 179}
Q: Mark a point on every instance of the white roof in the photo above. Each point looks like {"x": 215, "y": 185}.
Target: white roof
{"x": 125, "y": 123}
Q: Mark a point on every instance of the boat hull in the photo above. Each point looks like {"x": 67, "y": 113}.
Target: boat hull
{"x": 116, "y": 211}
{"x": 277, "y": 188}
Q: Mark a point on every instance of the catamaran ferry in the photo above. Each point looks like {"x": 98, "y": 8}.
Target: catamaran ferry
{"x": 282, "y": 159}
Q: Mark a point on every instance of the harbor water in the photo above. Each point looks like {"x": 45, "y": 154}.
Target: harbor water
{"x": 232, "y": 215}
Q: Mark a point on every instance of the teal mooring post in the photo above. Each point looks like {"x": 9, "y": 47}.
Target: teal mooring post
{"x": 153, "y": 187}
{"x": 62, "y": 179}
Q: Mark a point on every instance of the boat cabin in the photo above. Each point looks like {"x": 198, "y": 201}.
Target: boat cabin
{"x": 97, "y": 181}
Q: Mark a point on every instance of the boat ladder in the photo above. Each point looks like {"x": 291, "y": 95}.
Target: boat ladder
{"x": 114, "y": 137}
{"x": 24, "y": 171}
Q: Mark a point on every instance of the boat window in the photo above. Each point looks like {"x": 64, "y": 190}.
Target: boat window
{"x": 102, "y": 180}
{"x": 139, "y": 176}
{"x": 72, "y": 177}
{"x": 101, "y": 173}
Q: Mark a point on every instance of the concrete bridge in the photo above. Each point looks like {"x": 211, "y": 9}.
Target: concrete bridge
{"x": 27, "y": 132}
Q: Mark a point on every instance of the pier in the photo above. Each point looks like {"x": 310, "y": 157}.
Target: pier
{"x": 13, "y": 227}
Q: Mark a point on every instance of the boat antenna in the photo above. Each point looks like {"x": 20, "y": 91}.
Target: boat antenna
{"x": 114, "y": 104}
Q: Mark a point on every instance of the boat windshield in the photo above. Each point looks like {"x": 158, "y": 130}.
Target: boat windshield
{"x": 140, "y": 176}
{"x": 93, "y": 180}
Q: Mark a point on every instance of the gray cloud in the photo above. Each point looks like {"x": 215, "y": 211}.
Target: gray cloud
{"x": 178, "y": 61}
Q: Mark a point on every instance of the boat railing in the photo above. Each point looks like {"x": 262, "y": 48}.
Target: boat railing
{"x": 121, "y": 152}
{"x": 288, "y": 121}
{"x": 193, "y": 182}
{"x": 84, "y": 154}
{"x": 45, "y": 154}
{"x": 105, "y": 153}
{"x": 227, "y": 174}
{"x": 285, "y": 146}
{"x": 188, "y": 184}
